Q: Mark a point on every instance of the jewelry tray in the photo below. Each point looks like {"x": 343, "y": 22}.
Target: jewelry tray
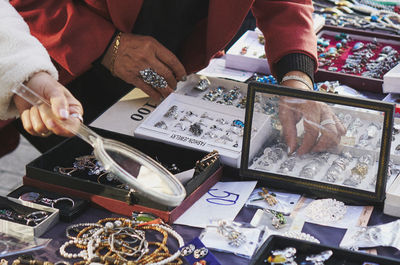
{"x": 250, "y": 60}
{"x": 355, "y": 81}
{"x": 67, "y": 211}
{"x": 18, "y": 229}
{"x": 362, "y": 153}
{"x": 40, "y": 174}
{"x": 306, "y": 248}
{"x": 253, "y": 60}
{"x": 225, "y": 138}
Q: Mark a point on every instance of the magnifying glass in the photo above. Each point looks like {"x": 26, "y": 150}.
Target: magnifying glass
{"x": 144, "y": 175}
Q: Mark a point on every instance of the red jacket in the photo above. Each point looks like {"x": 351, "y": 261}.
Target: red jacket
{"x": 77, "y": 32}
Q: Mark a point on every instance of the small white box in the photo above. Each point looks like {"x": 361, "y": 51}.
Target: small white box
{"x": 17, "y": 229}
{"x": 391, "y": 81}
{"x": 250, "y": 61}
{"x": 392, "y": 201}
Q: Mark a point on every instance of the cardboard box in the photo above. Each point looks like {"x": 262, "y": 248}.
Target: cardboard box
{"x": 40, "y": 173}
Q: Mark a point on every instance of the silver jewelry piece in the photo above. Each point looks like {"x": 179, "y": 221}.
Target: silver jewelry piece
{"x": 180, "y": 126}
{"x": 161, "y": 125}
{"x": 203, "y": 84}
{"x": 215, "y": 127}
{"x": 319, "y": 259}
{"x": 200, "y": 253}
{"x": 222, "y": 121}
{"x": 185, "y": 118}
{"x": 226, "y": 137}
{"x": 210, "y": 134}
{"x": 36, "y": 197}
{"x": 235, "y": 238}
{"x": 186, "y": 251}
{"x": 172, "y": 112}
{"x": 196, "y": 129}
{"x": 205, "y": 116}
{"x": 155, "y": 80}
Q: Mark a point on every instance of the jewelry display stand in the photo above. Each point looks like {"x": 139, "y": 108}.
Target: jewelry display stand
{"x": 355, "y": 170}
{"x": 187, "y": 119}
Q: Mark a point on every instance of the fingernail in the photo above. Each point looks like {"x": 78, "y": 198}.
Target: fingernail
{"x": 64, "y": 113}
{"x": 184, "y": 78}
{"x": 288, "y": 150}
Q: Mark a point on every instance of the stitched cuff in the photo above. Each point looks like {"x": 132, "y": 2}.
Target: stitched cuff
{"x": 295, "y": 62}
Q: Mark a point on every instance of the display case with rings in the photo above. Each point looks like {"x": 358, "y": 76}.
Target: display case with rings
{"x": 322, "y": 144}
{"x": 359, "y": 59}
{"x": 23, "y": 218}
{"x": 206, "y": 119}
{"x": 72, "y": 169}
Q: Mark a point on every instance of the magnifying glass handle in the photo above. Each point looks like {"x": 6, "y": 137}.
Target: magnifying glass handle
{"x": 79, "y": 129}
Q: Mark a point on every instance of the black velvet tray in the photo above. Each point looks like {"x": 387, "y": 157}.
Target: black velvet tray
{"x": 304, "y": 248}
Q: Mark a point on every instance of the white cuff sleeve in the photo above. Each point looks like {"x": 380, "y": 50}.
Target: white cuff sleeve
{"x": 21, "y": 55}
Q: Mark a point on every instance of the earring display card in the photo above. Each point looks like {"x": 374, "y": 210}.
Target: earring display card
{"x": 341, "y": 144}
{"x": 357, "y": 59}
{"x": 211, "y": 119}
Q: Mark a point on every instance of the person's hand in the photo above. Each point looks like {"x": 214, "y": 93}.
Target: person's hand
{"x": 136, "y": 53}
{"x": 322, "y": 129}
{"x": 41, "y": 120}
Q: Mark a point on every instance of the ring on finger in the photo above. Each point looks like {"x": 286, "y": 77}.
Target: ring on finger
{"x": 151, "y": 77}
{"x": 46, "y": 134}
{"x": 327, "y": 121}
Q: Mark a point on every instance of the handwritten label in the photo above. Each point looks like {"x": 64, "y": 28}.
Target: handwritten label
{"x": 225, "y": 198}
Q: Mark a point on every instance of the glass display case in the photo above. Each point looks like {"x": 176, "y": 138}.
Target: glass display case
{"x": 323, "y": 144}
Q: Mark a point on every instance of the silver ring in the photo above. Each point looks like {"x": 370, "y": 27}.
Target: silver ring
{"x": 36, "y": 217}
{"x": 155, "y": 80}
{"x": 62, "y": 199}
{"x": 327, "y": 121}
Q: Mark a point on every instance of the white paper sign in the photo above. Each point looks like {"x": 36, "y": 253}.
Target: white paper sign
{"x": 126, "y": 115}
{"x": 223, "y": 201}
{"x": 216, "y": 68}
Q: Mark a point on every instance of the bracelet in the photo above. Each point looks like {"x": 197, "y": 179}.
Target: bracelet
{"x": 298, "y": 78}
{"x": 115, "y": 52}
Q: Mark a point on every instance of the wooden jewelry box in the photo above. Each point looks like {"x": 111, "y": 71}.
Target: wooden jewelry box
{"x": 44, "y": 173}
